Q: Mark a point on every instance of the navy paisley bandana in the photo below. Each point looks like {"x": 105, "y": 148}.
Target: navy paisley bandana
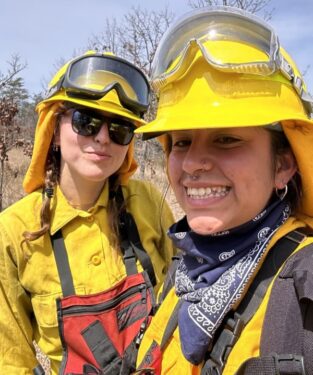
{"x": 213, "y": 273}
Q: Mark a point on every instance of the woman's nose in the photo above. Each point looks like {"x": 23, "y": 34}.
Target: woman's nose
{"x": 197, "y": 159}
{"x": 103, "y": 135}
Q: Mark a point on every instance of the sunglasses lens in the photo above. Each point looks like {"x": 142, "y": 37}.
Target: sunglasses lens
{"x": 84, "y": 123}
{"x": 88, "y": 123}
{"x": 121, "y": 133}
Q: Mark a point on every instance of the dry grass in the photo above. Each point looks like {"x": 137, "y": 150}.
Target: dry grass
{"x": 15, "y": 169}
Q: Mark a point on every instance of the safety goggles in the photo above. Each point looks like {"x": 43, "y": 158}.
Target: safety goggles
{"x": 188, "y": 35}
{"x": 88, "y": 123}
{"x": 92, "y": 76}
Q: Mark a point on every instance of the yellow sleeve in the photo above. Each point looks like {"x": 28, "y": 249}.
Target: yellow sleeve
{"x": 17, "y": 356}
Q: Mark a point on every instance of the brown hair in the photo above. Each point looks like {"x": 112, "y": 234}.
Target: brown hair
{"x": 51, "y": 180}
{"x": 114, "y": 211}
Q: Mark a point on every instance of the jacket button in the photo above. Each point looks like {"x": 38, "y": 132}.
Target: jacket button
{"x": 90, "y": 219}
{"x": 96, "y": 260}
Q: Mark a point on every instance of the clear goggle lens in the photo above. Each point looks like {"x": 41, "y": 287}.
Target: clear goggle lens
{"x": 207, "y": 30}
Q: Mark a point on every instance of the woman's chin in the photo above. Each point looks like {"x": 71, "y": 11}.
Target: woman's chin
{"x": 205, "y": 225}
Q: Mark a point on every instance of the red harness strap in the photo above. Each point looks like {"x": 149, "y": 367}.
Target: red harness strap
{"x": 96, "y": 330}
{"x": 100, "y": 332}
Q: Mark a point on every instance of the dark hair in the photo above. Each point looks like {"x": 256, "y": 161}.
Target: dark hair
{"x": 281, "y": 145}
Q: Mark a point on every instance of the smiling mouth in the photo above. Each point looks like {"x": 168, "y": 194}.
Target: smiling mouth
{"x": 208, "y": 192}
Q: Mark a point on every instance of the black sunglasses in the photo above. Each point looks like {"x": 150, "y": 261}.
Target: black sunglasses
{"x": 88, "y": 123}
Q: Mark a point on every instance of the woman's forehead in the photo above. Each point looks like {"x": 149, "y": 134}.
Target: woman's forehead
{"x": 228, "y": 130}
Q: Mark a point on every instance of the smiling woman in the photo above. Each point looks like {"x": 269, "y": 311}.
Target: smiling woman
{"x": 213, "y": 172}
{"x": 80, "y": 254}
{"x": 234, "y": 118}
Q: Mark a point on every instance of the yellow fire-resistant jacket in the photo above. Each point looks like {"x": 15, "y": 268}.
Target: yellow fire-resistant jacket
{"x": 248, "y": 345}
{"x": 29, "y": 281}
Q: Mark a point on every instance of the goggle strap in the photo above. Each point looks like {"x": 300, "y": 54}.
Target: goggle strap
{"x": 307, "y": 101}
{"x": 286, "y": 69}
{"x": 289, "y": 73}
{"x": 298, "y": 85}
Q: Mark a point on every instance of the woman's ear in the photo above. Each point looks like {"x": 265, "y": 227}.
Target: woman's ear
{"x": 286, "y": 167}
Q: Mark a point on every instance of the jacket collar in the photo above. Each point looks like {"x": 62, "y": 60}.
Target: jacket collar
{"x": 62, "y": 212}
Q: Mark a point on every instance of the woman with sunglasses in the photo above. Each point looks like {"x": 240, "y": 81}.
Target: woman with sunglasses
{"x": 73, "y": 251}
{"x": 236, "y": 123}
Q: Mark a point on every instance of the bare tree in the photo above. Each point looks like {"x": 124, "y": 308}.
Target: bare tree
{"x": 252, "y": 6}
{"x": 15, "y": 67}
{"x": 141, "y": 35}
{"x": 108, "y": 39}
{"x": 136, "y": 39}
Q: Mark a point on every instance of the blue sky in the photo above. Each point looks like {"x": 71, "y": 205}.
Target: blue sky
{"x": 42, "y": 31}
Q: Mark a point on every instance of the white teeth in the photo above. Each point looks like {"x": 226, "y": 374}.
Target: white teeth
{"x": 202, "y": 193}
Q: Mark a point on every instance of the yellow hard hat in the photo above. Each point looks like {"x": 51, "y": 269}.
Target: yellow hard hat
{"x": 224, "y": 67}
{"x": 231, "y": 72}
{"x": 206, "y": 98}
{"x": 103, "y": 82}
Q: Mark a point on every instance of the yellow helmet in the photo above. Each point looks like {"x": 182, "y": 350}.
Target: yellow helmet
{"x": 206, "y": 97}
{"x": 222, "y": 67}
{"x": 103, "y": 82}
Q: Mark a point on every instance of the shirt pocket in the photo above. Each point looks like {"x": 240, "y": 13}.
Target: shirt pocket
{"x": 45, "y": 308}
